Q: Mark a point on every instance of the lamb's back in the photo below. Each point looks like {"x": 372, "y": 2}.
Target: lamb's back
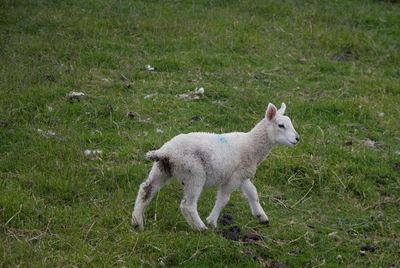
{"x": 219, "y": 154}
{"x": 212, "y": 143}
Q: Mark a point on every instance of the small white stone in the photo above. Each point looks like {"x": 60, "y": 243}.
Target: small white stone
{"x": 47, "y": 134}
{"x": 193, "y": 95}
{"x": 50, "y": 133}
{"x": 87, "y": 153}
{"x": 381, "y": 114}
{"x": 332, "y": 234}
{"x": 146, "y": 120}
{"x": 159, "y": 130}
{"x": 148, "y": 67}
{"x": 92, "y": 154}
{"x": 199, "y": 90}
{"x": 369, "y": 143}
{"x": 150, "y": 96}
{"x": 75, "y": 95}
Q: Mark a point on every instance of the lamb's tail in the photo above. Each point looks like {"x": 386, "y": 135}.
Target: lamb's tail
{"x": 153, "y": 155}
{"x": 162, "y": 158}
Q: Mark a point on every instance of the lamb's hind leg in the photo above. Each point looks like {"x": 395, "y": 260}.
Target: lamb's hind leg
{"x": 250, "y": 193}
{"x": 158, "y": 175}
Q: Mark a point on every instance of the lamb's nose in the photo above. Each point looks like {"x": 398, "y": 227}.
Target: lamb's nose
{"x": 297, "y": 138}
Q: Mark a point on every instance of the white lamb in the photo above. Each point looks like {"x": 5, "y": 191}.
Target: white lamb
{"x": 206, "y": 159}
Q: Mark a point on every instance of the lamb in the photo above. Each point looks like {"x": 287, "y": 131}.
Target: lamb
{"x": 227, "y": 161}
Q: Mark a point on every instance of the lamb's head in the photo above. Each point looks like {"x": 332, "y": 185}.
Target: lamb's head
{"x": 280, "y": 126}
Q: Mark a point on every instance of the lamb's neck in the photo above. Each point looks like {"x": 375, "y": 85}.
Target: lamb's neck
{"x": 260, "y": 142}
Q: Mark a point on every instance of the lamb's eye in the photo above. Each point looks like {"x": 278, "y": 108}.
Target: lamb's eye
{"x": 281, "y": 125}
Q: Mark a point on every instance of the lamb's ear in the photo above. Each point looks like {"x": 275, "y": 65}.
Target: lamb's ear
{"x": 271, "y": 112}
{"x": 282, "y": 110}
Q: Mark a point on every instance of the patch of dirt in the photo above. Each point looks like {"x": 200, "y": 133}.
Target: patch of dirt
{"x": 346, "y": 55}
{"x": 226, "y": 220}
{"x": 252, "y": 237}
{"x": 5, "y": 123}
{"x": 50, "y": 77}
{"x": 232, "y": 233}
{"x": 368, "y": 247}
{"x": 348, "y": 143}
{"x": 277, "y": 264}
{"x": 369, "y": 143}
{"x": 130, "y": 115}
{"x": 396, "y": 167}
{"x": 372, "y": 144}
{"x": 195, "y": 118}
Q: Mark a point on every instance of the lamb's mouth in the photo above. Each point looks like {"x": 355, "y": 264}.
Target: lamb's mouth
{"x": 293, "y": 143}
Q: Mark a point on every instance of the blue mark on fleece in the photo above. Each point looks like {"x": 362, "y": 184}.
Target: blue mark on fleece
{"x": 221, "y": 139}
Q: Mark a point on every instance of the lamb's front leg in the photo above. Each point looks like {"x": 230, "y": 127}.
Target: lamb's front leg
{"x": 223, "y": 197}
{"x": 250, "y": 193}
{"x": 191, "y": 194}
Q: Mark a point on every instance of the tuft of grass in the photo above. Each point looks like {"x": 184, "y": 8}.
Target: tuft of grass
{"x": 335, "y": 64}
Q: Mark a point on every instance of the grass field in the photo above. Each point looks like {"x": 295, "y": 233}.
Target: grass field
{"x": 336, "y": 64}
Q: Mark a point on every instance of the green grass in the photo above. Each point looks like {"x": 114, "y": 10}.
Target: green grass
{"x": 334, "y": 63}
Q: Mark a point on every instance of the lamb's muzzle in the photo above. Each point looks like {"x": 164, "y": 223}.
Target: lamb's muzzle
{"x": 226, "y": 160}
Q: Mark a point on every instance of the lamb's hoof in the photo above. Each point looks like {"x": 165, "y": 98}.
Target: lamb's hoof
{"x": 263, "y": 219}
{"x": 211, "y": 223}
{"x": 201, "y": 228}
{"x": 137, "y": 224}
{"x": 265, "y": 222}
